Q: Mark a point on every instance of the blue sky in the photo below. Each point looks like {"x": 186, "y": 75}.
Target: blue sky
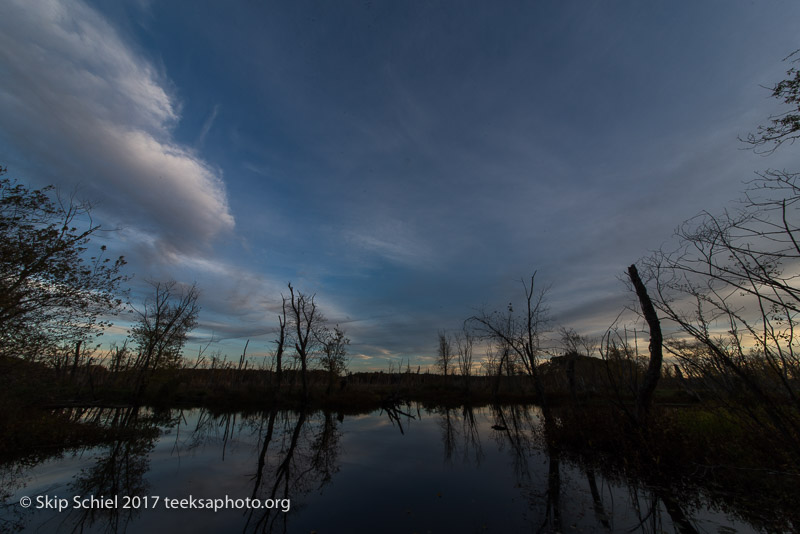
{"x": 408, "y": 162}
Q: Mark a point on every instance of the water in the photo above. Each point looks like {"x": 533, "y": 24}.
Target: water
{"x": 419, "y": 471}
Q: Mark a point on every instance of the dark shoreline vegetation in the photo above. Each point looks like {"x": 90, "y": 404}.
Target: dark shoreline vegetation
{"x": 692, "y": 450}
{"x": 713, "y": 403}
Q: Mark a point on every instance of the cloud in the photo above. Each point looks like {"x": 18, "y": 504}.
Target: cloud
{"x": 85, "y": 108}
{"x": 201, "y": 138}
{"x": 392, "y": 240}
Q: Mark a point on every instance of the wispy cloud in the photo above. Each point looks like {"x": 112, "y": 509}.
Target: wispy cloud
{"x": 209, "y": 122}
{"x": 392, "y": 241}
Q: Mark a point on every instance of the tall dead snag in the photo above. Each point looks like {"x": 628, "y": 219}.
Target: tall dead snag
{"x": 644, "y": 397}
{"x": 280, "y": 343}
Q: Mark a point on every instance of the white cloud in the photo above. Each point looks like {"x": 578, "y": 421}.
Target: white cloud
{"x": 83, "y": 107}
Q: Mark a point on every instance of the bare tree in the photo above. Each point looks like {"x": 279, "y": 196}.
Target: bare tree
{"x": 306, "y": 320}
{"x": 491, "y": 361}
{"x": 280, "y": 343}
{"x": 464, "y": 341}
{"x": 732, "y": 286}
{"x": 445, "y": 352}
{"x": 520, "y": 333}
{"x": 623, "y": 364}
{"x": 573, "y": 342}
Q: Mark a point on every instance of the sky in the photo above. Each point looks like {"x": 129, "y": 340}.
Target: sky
{"x": 407, "y": 162}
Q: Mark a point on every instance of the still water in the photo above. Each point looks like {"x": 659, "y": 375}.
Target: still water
{"x": 406, "y": 470}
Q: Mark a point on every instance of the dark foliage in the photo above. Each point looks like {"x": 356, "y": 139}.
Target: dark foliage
{"x": 51, "y": 291}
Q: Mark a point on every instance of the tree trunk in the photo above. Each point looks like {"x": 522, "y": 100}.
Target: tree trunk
{"x": 644, "y": 398}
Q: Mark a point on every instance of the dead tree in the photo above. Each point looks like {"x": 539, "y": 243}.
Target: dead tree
{"x": 644, "y": 397}
{"x": 445, "y": 352}
{"x": 280, "y": 343}
{"x": 464, "y": 342}
{"x": 306, "y": 320}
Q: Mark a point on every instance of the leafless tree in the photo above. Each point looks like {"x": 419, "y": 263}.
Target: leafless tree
{"x": 464, "y": 341}
{"x": 732, "y": 285}
{"x": 738, "y": 299}
{"x": 520, "y": 333}
{"x": 306, "y": 321}
{"x": 573, "y": 342}
{"x": 280, "y": 343}
{"x": 491, "y": 361}
{"x": 619, "y": 349}
{"x": 445, "y": 352}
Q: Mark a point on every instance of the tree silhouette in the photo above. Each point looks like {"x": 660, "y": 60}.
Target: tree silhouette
{"x": 51, "y": 293}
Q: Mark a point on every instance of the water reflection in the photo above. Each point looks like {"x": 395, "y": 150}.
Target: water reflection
{"x": 397, "y": 413}
{"x": 496, "y": 470}
{"x": 119, "y": 468}
{"x": 297, "y": 452}
{"x": 308, "y": 461}
{"x": 517, "y": 429}
{"x": 460, "y": 435}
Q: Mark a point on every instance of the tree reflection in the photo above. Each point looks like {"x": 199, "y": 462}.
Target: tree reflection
{"x": 597, "y": 501}
{"x": 515, "y": 429}
{"x": 471, "y": 435}
{"x": 395, "y": 412}
{"x": 448, "y": 433}
{"x": 295, "y": 456}
{"x": 518, "y": 430}
{"x": 657, "y": 508}
{"x": 326, "y": 449}
{"x": 120, "y": 470}
{"x": 460, "y": 435}
{"x": 292, "y": 454}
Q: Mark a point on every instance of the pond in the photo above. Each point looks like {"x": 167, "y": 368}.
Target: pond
{"x": 409, "y": 469}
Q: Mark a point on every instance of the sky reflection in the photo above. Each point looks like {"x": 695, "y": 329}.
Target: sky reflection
{"x": 449, "y": 471}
